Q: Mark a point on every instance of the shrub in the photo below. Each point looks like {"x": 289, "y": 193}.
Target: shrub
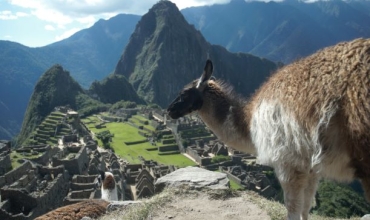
{"x": 220, "y": 158}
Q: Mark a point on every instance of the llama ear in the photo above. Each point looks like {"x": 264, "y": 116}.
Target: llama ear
{"x": 208, "y": 70}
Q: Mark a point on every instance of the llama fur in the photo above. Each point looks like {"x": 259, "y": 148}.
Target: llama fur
{"x": 310, "y": 120}
{"x": 108, "y": 187}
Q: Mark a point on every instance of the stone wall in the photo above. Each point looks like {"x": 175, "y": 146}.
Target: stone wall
{"x": 5, "y": 164}
{"x": 82, "y": 195}
{"x": 53, "y": 195}
{"x": 195, "y": 155}
{"x": 20, "y": 204}
{"x": 44, "y": 159}
{"x": 132, "y": 171}
{"x": 76, "y": 165}
{"x": 5, "y": 146}
{"x": 15, "y": 174}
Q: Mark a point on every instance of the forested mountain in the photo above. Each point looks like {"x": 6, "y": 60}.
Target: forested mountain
{"x": 89, "y": 55}
{"x": 281, "y": 31}
{"x": 55, "y": 88}
{"x": 165, "y": 53}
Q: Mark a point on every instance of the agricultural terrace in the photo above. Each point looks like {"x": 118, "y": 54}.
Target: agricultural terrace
{"x": 125, "y": 133}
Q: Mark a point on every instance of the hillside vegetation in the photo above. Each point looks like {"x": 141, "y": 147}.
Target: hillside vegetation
{"x": 55, "y": 88}
{"x": 281, "y": 30}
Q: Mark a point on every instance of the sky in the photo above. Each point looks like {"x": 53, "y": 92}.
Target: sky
{"x": 36, "y": 23}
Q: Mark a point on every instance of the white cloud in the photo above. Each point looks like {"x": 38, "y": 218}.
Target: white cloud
{"x": 67, "y": 34}
{"x": 49, "y": 27}
{"x": 88, "y": 21}
{"x": 21, "y": 14}
{"x": 84, "y": 8}
{"x": 8, "y": 15}
{"x": 61, "y": 13}
{"x": 189, "y": 3}
{"x": 8, "y": 37}
{"x": 52, "y": 16}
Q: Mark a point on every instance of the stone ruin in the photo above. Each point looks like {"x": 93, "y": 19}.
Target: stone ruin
{"x": 54, "y": 176}
{"x": 66, "y": 174}
{"x": 203, "y": 152}
{"x": 5, "y": 161}
{"x": 141, "y": 177}
{"x": 252, "y": 176}
{"x": 31, "y": 190}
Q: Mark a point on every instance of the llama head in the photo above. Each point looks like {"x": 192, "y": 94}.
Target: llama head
{"x": 190, "y": 99}
{"x": 106, "y": 180}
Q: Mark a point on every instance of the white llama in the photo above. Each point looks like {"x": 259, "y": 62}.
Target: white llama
{"x": 310, "y": 120}
{"x": 108, "y": 186}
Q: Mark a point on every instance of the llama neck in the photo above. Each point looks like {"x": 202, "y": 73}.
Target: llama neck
{"x": 228, "y": 118}
{"x": 109, "y": 194}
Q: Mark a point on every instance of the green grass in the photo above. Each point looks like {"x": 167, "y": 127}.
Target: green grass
{"x": 14, "y": 157}
{"x": 124, "y": 132}
{"x": 235, "y": 186}
{"x": 137, "y": 118}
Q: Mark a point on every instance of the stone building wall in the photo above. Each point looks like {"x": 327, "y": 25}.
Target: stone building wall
{"x": 44, "y": 159}
{"x": 15, "y": 174}
{"x": 5, "y": 146}
{"x": 53, "y": 195}
{"x": 76, "y": 165}
{"x": 5, "y": 164}
{"x": 200, "y": 160}
{"x": 19, "y": 203}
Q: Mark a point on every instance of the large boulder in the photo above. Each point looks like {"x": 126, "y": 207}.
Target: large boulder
{"x": 194, "y": 177}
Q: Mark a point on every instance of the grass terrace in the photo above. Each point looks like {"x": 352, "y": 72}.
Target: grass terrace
{"x": 15, "y": 157}
{"x": 125, "y": 133}
{"x": 45, "y": 132}
{"x": 141, "y": 121}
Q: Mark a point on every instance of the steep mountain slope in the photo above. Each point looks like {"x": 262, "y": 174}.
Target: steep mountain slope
{"x": 281, "y": 31}
{"x": 165, "y": 53}
{"x": 19, "y": 70}
{"x": 90, "y": 54}
{"x": 55, "y": 88}
{"x": 114, "y": 88}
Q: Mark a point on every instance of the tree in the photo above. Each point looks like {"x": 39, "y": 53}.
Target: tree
{"x": 105, "y": 137}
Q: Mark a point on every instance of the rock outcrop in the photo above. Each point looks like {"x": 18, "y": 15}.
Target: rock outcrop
{"x": 194, "y": 177}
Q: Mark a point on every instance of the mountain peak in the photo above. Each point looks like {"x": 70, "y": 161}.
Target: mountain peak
{"x": 163, "y": 6}
{"x": 56, "y": 78}
{"x": 165, "y": 52}
{"x": 54, "y": 88}
{"x": 162, "y": 38}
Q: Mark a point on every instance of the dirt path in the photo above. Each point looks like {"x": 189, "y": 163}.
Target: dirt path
{"x": 201, "y": 207}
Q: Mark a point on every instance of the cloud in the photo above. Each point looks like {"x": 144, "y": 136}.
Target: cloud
{"x": 190, "y": 3}
{"x": 8, "y": 15}
{"x": 61, "y": 13}
{"x": 21, "y": 14}
{"x": 67, "y": 34}
{"x": 8, "y": 37}
{"x": 82, "y": 8}
{"x": 49, "y": 27}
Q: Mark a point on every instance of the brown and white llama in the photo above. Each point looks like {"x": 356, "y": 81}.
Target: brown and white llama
{"x": 310, "y": 120}
{"x": 108, "y": 186}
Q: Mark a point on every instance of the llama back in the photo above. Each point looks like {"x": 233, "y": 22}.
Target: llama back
{"x": 303, "y": 106}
